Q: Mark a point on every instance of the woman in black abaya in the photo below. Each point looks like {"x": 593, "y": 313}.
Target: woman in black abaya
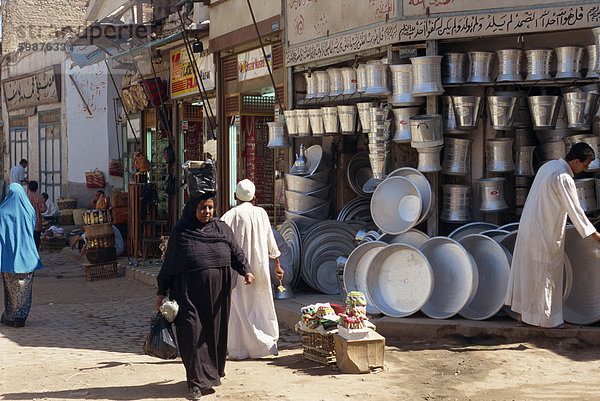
{"x": 197, "y": 274}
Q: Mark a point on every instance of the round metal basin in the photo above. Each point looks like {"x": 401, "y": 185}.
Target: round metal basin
{"x": 412, "y": 237}
{"x": 320, "y": 212}
{"x": 297, "y": 202}
{"x": 302, "y": 222}
{"x": 291, "y": 235}
{"x": 314, "y": 159}
{"x": 321, "y": 177}
{"x": 422, "y": 184}
{"x": 302, "y": 184}
{"x": 396, "y": 205}
{"x": 399, "y": 280}
{"x": 320, "y": 193}
{"x": 495, "y": 234}
{"x": 471, "y": 228}
{"x": 510, "y": 227}
{"x": 286, "y": 260}
{"x": 356, "y": 269}
{"x": 493, "y": 269}
{"x": 454, "y": 275}
{"x": 358, "y": 172}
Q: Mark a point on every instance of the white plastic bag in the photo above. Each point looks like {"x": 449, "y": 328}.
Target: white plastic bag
{"x": 169, "y": 309}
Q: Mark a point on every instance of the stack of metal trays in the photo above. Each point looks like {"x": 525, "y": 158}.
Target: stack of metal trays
{"x": 359, "y": 172}
{"x": 322, "y": 244}
{"x": 291, "y": 235}
{"x": 357, "y": 209}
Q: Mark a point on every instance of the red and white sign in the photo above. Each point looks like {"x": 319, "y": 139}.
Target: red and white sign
{"x": 252, "y": 64}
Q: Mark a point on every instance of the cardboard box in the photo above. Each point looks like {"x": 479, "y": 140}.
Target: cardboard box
{"x": 360, "y": 356}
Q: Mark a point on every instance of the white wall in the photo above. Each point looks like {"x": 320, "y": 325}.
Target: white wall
{"x": 234, "y": 14}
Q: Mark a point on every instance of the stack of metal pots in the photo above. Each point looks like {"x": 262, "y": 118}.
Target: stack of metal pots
{"x": 379, "y": 146}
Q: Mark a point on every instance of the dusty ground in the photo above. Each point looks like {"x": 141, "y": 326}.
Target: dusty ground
{"x": 83, "y": 341}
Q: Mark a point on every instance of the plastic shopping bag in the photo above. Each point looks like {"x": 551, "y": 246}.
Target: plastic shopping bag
{"x": 160, "y": 342}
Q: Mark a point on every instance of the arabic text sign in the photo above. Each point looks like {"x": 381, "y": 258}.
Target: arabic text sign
{"x": 42, "y": 87}
{"x": 420, "y": 7}
{"x": 462, "y": 26}
{"x": 251, "y": 64}
{"x": 183, "y": 81}
{"x": 312, "y": 19}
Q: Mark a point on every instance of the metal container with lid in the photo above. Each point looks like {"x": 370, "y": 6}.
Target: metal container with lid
{"x": 426, "y": 131}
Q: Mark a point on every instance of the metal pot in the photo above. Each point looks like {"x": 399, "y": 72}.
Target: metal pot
{"x": 277, "y": 135}
{"x": 544, "y": 111}
{"x": 480, "y": 66}
{"x": 581, "y": 108}
{"x": 509, "y": 65}
{"x": 377, "y": 79}
{"x": 361, "y": 78}
{"x": 453, "y": 68}
{"x": 322, "y": 83}
{"x": 569, "y": 61}
{"x": 336, "y": 81}
{"x": 291, "y": 122}
{"x": 429, "y": 159}
{"x": 587, "y": 194}
{"x": 492, "y": 194}
{"x": 402, "y": 83}
{"x": 364, "y": 113}
{"x": 457, "y": 156}
{"x": 466, "y": 111}
{"x": 538, "y": 64}
{"x": 426, "y": 131}
{"x": 347, "y": 116}
{"x": 448, "y": 119}
{"x": 500, "y": 155}
{"x": 330, "y": 119}
{"x": 316, "y": 122}
{"x": 312, "y": 86}
{"x": 349, "y": 80}
{"x": 427, "y": 76}
{"x": 456, "y": 204}
{"x": 401, "y": 122}
{"x": 524, "y": 160}
{"x": 592, "y": 62}
{"x": 302, "y": 118}
{"x": 502, "y": 109}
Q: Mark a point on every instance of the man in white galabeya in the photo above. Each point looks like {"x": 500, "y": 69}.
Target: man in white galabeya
{"x": 536, "y": 278}
{"x": 253, "y": 328}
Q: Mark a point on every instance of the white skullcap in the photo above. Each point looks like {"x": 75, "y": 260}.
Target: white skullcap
{"x": 245, "y": 190}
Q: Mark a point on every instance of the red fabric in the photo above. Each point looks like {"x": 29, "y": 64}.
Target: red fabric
{"x": 39, "y": 205}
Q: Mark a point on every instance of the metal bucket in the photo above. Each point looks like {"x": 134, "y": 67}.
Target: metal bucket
{"x": 402, "y": 83}
{"x": 401, "y": 122}
{"x": 538, "y": 64}
{"x": 466, "y": 111}
{"x": 448, "y": 119}
{"x": 312, "y": 86}
{"x": 429, "y": 159}
{"x": 592, "y": 62}
{"x": 322, "y": 83}
{"x": 347, "y": 116}
{"x": 524, "y": 160}
{"x": 544, "y": 111}
{"x": 316, "y": 122}
{"x": 377, "y": 115}
{"x": 361, "y": 78}
{"x": 502, "y": 109}
{"x": 378, "y": 82}
{"x": 456, "y": 204}
{"x": 550, "y": 151}
{"x": 302, "y": 117}
{"x": 457, "y": 156}
{"x": 427, "y": 76}
{"x": 594, "y": 142}
{"x": 492, "y": 194}
{"x": 364, "y": 114}
{"x": 521, "y": 196}
{"x": 349, "y": 80}
{"x": 509, "y": 65}
{"x": 569, "y": 61}
{"x": 277, "y": 135}
{"x": 291, "y": 122}
{"x": 330, "y": 120}
{"x": 586, "y": 193}
{"x": 336, "y": 81}
{"x": 500, "y": 155}
{"x": 480, "y": 66}
{"x": 581, "y": 108}
{"x": 453, "y": 68}
{"x": 522, "y": 117}
{"x": 426, "y": 131}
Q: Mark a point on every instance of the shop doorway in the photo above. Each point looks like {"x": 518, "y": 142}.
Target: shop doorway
{"x": 191, "y": 137}
{"x": 50, "y": 171}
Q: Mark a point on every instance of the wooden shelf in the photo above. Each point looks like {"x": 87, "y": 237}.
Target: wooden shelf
{"x": 542, "y": 82}
{"x": 341, "y": 99}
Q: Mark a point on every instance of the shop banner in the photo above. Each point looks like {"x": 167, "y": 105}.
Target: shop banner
{"x": 183, "y": 81}
{"x": 252, "y": 64}
{"x": 42, "y": 87}
{"x": 426, "y": 7}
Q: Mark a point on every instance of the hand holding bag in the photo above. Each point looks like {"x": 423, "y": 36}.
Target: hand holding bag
{"x": 160, "y": 342}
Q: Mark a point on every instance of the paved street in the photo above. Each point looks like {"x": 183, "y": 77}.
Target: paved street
{"x": 83, "y": 341}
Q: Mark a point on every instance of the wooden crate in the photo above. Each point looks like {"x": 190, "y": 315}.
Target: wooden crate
{"x": 101, "y": 271}
{"x": 318, "y": 347}
{"x": 360, "y": 356}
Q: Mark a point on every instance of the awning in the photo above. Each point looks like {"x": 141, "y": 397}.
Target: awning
{"x": 147, "y": 45}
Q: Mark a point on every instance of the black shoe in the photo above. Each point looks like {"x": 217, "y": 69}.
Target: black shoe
{"x": 11, "y": 323}
{"x": 194, "y": 394}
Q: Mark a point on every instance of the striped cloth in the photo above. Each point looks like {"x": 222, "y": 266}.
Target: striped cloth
{"x": 39, "y": 205}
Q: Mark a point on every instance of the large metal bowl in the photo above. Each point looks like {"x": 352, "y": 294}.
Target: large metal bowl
{"x": 358, "y": 172}
{"x": 422, "y": 184}
{"x": 454, "y": 274}
{"x": 321, "y": 176}
{"x": 320, "y": 193}
{"x": 396, "y": 205}
{"x": 412, "y": 237}
{"x": 302, "y": 184}
{"x": 399, "y": 280}
{"x": 493, "y": 268}
{"x": 320, "y": 212}
{"x": 356, "y": 269}
{"x": 471, "y": 228}
{"x": 302, "y": 222}
{"x": 297, "y": 202}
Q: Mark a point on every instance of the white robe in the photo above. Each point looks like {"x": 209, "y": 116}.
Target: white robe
{"x": 536, "y": 279}
{"x": 253, "y": 327}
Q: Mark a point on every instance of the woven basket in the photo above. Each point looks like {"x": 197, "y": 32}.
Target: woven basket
{"x": 101, "y": 242}
{"x": 66, "y": 203}
{"x": 101, "y": 271}
{"x": 96, "y": 216}
{"x": 318, "y": 347}
{"x": 98, "y": 230}
{"x": 78, "y": 216}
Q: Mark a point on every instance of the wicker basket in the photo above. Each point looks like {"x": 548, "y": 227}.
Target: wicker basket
{"x": 66, "y": 203}
{"x": 318, "y": 347}
{"x": 96, "y": 216}
{"x": 101, "y": 271}
{"x": 98, "y": 230}
{"x": 78, "y": 216}
{"x": 101, "y": 242}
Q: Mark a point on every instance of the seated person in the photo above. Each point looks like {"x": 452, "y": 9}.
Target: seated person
{"x": 52, "y": 211}
{"x": 119, "y": 243}
{"x": 101, "y": 201}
